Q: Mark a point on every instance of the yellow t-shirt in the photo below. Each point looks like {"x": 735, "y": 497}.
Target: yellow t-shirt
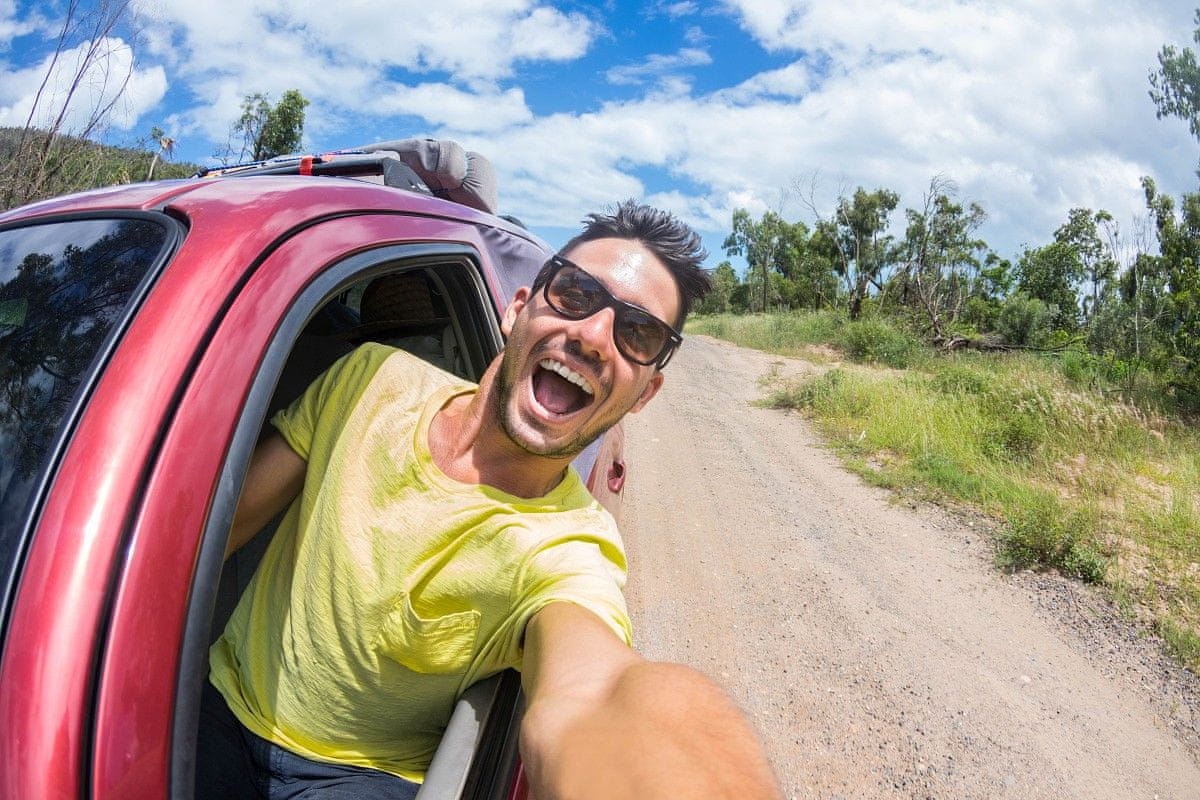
{"x": 389, "y": 587}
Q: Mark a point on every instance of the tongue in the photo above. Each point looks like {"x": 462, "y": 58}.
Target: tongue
{"x": 556, "y": 393}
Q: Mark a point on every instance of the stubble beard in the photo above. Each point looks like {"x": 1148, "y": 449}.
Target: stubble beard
{"x": 505, "y": 389}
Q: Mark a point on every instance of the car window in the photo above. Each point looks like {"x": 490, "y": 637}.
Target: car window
{"x": 64, "y": 287}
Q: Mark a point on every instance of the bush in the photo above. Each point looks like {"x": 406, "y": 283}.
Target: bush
{"x": 874, "y": 340}
{"x": 1026, "y": 321}
{"x": 1046, "y": 535}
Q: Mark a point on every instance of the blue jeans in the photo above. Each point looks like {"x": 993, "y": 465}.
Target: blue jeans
{"x": 232, "y": 763}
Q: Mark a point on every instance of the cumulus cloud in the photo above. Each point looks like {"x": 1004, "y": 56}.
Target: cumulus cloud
{"x": 1030, "y": 107}
{"x": 368, "y": 59}
{"x": 96, "y": 82}
{"x": 11, "y": 26}
{"x": 448, "y": 106}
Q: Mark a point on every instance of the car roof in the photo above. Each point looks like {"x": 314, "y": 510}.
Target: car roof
{"x": 298, "y": 196}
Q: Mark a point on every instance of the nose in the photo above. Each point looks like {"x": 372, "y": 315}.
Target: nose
{"x": 595, "y": 334}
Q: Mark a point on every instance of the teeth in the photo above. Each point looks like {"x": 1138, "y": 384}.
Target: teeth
{"x": 566, "y": 372}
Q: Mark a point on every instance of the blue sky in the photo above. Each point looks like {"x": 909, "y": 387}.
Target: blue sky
{"x": 1029, "y": 107}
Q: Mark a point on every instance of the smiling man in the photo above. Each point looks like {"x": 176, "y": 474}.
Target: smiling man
{"x": 436, "y": 534}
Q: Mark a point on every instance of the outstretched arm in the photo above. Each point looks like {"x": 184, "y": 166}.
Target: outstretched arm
{"x": 603, "y": 722}
{"x": 275, "y": 477}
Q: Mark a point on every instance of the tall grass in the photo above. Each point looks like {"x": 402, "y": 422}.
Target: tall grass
{"x": 867, "y": 341}
{"x": 1101, "y": 490}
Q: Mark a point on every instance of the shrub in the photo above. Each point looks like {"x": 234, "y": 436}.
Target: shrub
{"x": 1025, "y": 320}
{"x": 1047, "y": 535}
{"x": 874, "y": 340}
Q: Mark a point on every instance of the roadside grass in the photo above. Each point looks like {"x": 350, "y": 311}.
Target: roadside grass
{"x": 1102, "y": 491}
{"x": 811, "y": 334}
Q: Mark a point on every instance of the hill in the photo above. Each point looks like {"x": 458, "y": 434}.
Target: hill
{"x": 35, "y": 165}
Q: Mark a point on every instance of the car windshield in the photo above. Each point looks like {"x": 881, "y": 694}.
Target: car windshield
{"x": 64, "y": 286}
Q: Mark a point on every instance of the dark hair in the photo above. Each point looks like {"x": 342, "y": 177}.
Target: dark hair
{"x": 673, "y": 242}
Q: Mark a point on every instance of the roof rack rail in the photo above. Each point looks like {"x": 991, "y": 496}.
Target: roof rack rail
{"x": 346, "y": 163}
{"x": 429, "y": 166}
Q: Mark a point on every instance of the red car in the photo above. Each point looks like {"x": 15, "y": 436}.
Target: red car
{"x": 146, "y": 334}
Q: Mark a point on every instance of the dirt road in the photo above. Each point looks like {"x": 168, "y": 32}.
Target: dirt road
{"x": 876, "y": 647}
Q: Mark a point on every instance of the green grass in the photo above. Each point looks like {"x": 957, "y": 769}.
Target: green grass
{"x": 1101, "y": 490}
{"x": 866, "y": 341}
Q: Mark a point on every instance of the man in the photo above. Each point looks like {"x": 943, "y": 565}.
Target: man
{"x": 436, "y": 534}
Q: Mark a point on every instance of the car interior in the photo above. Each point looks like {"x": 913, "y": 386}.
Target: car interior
{"x": 412, "y": 309}
{"x": 433, "y": 308}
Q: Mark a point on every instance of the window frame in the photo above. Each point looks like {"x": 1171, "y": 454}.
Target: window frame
{"x": 460, "y": 260}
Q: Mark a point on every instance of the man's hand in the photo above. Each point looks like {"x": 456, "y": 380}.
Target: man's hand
{"x": 602, "y": 722}
{"x": 275, "y": 477}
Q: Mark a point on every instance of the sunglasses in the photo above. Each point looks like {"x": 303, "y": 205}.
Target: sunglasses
{"x": 640, "y": 336}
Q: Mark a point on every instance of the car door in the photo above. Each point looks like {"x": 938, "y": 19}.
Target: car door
{"x": 132, "y": 732}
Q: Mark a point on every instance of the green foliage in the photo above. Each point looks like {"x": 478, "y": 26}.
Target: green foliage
{"x": 1183, "y": 642}
{"x": 856, "y": 243}
{"x": 942, "y": 260}
{"x": 1175, "y": 86}
{"x": 268, "y": 131}
{"x": 1026, "y": 321}
{"x": 784, "y": 269}
{"x": 77, "y": 165}
{"x": 1050, "y": 274}
{"x": 1047, "y": 534}
{"x": 1179, "y": 266}
{"x": 724, "y": 283}
{"x": 875, "y": 340}
{"x": 1097, "y": 266}
{"x": 786, "y": 334}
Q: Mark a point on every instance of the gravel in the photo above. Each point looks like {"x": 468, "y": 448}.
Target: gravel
{"x": 875, "y": 646}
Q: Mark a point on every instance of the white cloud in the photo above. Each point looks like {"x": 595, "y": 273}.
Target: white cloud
{"x": 1030, "y": 108}
{"x": 657, "y": 65}
{"x": 11, "y": 26}
{"x": 445, "y": 105}
{"x": 87, "y": 80}
{"x": 681, "y": 9}
{"x": 467, "y": 39}
{"x": 361, "y": 60}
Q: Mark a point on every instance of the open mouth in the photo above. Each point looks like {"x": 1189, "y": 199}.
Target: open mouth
{"x": 560, "y": 389}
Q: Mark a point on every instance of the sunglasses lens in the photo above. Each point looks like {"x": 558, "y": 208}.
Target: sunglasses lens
{"x": 640, "y": 335}
{"x": 575, "y": 293}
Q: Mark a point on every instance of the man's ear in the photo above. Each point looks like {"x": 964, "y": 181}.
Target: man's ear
{"x": 518, "y": 302}
{"x": 651, "y": 389}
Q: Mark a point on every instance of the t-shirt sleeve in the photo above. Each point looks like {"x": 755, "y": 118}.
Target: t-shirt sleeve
{"x": 329, "y": 397}
{"x": 587, "y": 571}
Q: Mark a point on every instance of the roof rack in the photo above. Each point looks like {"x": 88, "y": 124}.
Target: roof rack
{"x": 345, "y": 163}
{"x": 428, "y": 166}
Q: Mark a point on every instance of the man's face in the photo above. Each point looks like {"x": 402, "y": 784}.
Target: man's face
{"x": 562, "y": 382}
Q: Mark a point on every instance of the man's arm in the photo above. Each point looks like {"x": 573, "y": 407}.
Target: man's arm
{"x": 275, "y": 477}
{"x": 603, "y": 722}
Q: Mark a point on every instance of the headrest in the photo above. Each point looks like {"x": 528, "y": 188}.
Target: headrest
{"x": 449, "y": 171}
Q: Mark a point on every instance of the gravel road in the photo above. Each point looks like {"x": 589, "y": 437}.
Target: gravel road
{"x": 875, "y": 646}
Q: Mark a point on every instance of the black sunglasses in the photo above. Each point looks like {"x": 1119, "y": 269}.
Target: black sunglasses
{"x": 639, "y": 335}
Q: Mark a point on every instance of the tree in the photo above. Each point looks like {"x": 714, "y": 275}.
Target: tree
{"x": 268, "y": 131}
{"x": 856, "y": 242}
{"x": 1175, "y": 86}
{"x": 724, "y": 283}
{"x": 53, "y": 152}
{"x": 1179, "y": 267}
{"x": 1050, "y": 274}
{"x": 166, "y": 148}
{"x": 1097, "y": 265}
{"x": 942, "y": 258}
{"x": 759, "y": 243}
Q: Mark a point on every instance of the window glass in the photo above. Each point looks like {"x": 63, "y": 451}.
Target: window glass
{"x": 63, "y": 287}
